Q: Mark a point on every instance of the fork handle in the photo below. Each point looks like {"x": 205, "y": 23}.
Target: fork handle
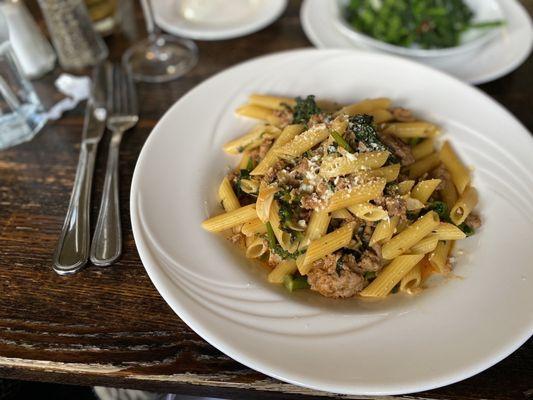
{"x": 107, "y": 240}
{"x": 72, "y": 251}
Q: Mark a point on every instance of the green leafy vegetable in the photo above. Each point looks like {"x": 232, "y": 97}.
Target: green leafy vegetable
{"x": 426, "y": 24}
{"x": 275, "y": 246}
{"x": 369, "y": 275}
{"x": 364, "y": 130}
{"x": 304, "y": 109}
{"x": 340, "y": 140}
{"x": 243, "y": 174}
{"x": 440, "y": 208}
{"x": 250, "y": 165}
{"x": 467, "y": 229}
{"x": 295, "y": 283}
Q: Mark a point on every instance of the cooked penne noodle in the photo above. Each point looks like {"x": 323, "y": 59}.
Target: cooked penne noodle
{"x": 264, "y": 201}
{"x": 390, "y": 172}
{"x": 253, "y": 227}
{"x": 284, "y": 238}
{"x": 257, "y": 112}
{"x": 460, "y": 174}
{"x": 426, "y": 245}
{"x": 348, "y": 164}
{"x": 405, "y": 186}
{"x": 414, "y": 233}
{"x": 411, "y": 282}
{"x": 252, "y": 139}
{"x": 250, "y": 186}
{"x": 365, "y": 106}
{"x": 380, "y": 115}
{"x": 464, "y": 205}
{"x": 274, "y": 102}
{"x": 368, "y": 212}
{"x": 439, "y": 257}
{"x": 317, "y": 227}
{"x": 339, "y": 125}
{"x": 446, "y": 231}
{"x": 288, "y": 134}
{"x": 391, "y": 275}
{"x": 424, "y": 165}
{"x": 449, "y": 193}
{"x": 286, "y": 267}
{"x": 384, "y": 230}
{"x": 360, "y": 194}
{"x": 227, "y": 196}
{"x": 245, "y": 159}
{"x": 303, "y": 142}
{"x": 424, "y": 189}
{"x": 256, "y": 248}
{"x": 406, "y": 130}
{"x": 230, "y": 219}
{"x": 343, "y": 213}
{"x": 424, "y": 148}
{"x": 325, "y": 245}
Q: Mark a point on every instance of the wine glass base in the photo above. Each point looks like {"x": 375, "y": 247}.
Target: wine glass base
{"x": 161, "y": 58}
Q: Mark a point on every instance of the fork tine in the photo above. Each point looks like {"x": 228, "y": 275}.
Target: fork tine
{"x": 110, "y": 85}
{"x": 130, "y": 90}
{"x": 119, "y": 97}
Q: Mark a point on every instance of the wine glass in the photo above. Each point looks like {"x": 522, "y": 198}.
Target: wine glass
{"x": 159, "y": 57}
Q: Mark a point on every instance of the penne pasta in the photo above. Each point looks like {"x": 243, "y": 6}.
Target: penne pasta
{"x": 414, "y": 233}
{"x": 391, "y": 275}
{"x": 423, "y": 149}
{"x": 303, "y": 142}
{"x": 317, "y": 227}
{"x": 439, "y": 257}
{"x": 384, "y": 230}
{"x": 258, "y": 112}
{"x": 424, "y": 165}
{"x": 288, "y": 134}
{"x": 464, "y": 205}
{"x": 343, "y": 213}
{"x": 406, "y": 130}
{"x": 368, "y": 212}
{"x": 449, "y": 193}
{"x": 227, "y": 196}
{"x": 411, "y": 282}
{"x": 284, "y": 238}
{"x": 252, "y": 139}
{"x": 273, "y": 102}
{"x": 405, "y": 186}
{"x": 424, "y": 189}
{"x": 230, "y": 219}
{"x": 264, "y": 201}
{"x": 256, "y": 248}
{"x": 348, "y": 164}
{"x": 325, "y": 245}
{"x": 365, "y": 106}
{"x": 250, "y": 186}
{"x": 360, "y": 194}
{"x": 286, "y": 267}
{"x": 390, "y": 172}
{"x": 426, "y": 245}
{"x": 380, "y": 115}
{"x": 460, "y": 174}
{"x": 253, "y": 227}
{"x": 446, "y": 231}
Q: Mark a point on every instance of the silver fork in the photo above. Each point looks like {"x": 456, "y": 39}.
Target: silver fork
{"x": 123, "y": 115}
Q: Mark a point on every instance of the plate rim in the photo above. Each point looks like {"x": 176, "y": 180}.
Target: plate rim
{"x": 157, "y": 275}
{"x": 223, "y": 34}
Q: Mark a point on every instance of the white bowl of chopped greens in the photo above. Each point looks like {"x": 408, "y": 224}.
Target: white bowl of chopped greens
{"x": 420, "y": 28}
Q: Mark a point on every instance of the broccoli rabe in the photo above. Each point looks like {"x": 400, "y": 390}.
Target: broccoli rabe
{"x": 304, "y": 109}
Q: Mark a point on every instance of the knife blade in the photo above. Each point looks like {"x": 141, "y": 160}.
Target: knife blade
{"x": 72, "y": 251}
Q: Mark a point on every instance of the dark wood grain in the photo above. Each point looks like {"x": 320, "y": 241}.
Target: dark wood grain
{"x": 109, "y": 326}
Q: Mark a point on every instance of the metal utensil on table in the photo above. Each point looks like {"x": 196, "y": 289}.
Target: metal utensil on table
{"x": 72, "y": 251}
{"x": 122, "y": 103}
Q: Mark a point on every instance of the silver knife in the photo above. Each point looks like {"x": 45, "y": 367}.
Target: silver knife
{"x": 72, "y": 251}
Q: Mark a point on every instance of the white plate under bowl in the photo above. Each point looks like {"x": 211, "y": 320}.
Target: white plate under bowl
{"x": 239, "y": 19}
{"x": 403, "y": 344}
{"x": 505, "y": 52}
{"x": 472, "y": 39}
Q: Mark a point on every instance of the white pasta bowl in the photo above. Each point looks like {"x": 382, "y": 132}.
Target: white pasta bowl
{"x": 451, "y": 331}
{"x": 470, "y": 41}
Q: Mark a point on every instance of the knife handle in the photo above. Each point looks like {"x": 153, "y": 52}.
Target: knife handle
{"x": 72, "y": 251}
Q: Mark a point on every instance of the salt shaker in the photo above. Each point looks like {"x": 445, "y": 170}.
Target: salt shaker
{"x": 35, "y": 55}
{"x": 76, "y": 42}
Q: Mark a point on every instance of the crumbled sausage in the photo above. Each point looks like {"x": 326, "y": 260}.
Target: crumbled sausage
{"x": 370, "y": 261}
{"x": 402, "y": 114}
{"x": 399, "y": 148}
{"x": 332, "y": 279}
{"x": 395, "y": 205}
{"x": 473, "y": 221}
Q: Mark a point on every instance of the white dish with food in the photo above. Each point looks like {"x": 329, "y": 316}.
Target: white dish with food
{"x": 341, "y": 346}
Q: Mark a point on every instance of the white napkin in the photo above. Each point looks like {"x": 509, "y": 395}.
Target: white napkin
{"x": 76, "y": 88}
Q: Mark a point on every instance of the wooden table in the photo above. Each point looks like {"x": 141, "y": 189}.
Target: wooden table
{"x": 109, "y": 326}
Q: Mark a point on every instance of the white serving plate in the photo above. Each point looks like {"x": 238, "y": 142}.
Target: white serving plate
{"x": 403, "y": 344}
{"x": 505, "y": 52}
{"x": 237, "y": 17}
{"x": 471, "y": 40}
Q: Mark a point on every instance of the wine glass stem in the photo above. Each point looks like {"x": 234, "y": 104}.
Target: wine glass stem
{"x": 151, "y": 27}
